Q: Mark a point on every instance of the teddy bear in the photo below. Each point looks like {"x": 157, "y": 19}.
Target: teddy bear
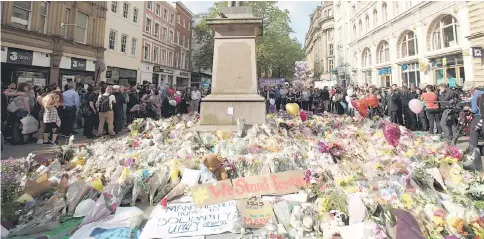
{"x": 214, "y": 163}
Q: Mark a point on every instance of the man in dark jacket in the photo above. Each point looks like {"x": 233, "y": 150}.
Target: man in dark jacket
{"x": 447, "y": 100}
{"x": 409, "y": 116}
{"x": 394, "y": 103}
{"x": 325, "y": 98}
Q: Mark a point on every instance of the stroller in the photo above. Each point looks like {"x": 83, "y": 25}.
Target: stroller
{"x": 463, "y": 122}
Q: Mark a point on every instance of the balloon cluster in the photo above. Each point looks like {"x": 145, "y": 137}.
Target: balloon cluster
{"x": 300, "y": 78}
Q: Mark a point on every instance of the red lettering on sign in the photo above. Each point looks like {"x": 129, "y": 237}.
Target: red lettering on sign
{"x": 256, "y": 221}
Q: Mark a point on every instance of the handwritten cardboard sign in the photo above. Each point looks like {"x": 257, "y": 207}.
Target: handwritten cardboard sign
{"x": 240, "y": 188}
{"x": 255, "y": 213}
{"x": 184, "y": 220}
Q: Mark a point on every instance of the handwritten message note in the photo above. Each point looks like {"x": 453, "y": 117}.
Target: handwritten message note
{"x": 184, "y": 220}
{"x": 255, "y": 213}
{"x": 240, "y": 188}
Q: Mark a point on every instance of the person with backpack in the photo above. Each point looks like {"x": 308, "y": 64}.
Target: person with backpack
{"x": 105, "y": 108}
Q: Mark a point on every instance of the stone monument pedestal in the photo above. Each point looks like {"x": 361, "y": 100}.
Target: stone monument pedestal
{"x": 234, "y": 75}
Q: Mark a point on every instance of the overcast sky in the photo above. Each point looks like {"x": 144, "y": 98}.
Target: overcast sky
{"x": 298, "y": 11}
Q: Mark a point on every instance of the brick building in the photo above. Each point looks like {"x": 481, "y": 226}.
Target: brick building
{"x": 183, "y": 35}
{"x": 50, "y": 42}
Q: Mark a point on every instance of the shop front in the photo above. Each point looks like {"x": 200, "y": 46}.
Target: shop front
{"x": 201, "y": 80}
{"x": 183, "y": 78}
{"x": 20, "y": 66}
{"x": 162, "y": 76}
{"x": 366, "y": 74}
{"x": 385, "y": 75}
{"x": 449, "y": 70}
{"x": 410, "y": 74}
{"x": 120, "y": 76}
{"x": 71, "y": 67}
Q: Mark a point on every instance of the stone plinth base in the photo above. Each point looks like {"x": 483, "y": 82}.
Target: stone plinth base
{"x": 214, "y": 110}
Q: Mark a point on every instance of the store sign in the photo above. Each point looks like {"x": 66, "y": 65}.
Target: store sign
{"x": 404, "y": 67}
{"x": 109, "y": 74}
{"x": 184, "y": 74}
{"x": 20, "y": 56}
{"x": 477, "y": 52}
{"x": 157, "y": 69}
{"x": 78, "y": 64}
{"x": 385, "y": 71}
{"x": 271, "y": 82}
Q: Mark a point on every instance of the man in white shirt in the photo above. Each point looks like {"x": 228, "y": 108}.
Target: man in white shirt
{"x": 105, "y": 108}
{"x": 196, "y": 96}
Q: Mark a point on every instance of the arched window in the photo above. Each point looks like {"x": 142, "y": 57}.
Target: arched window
{"x": 383, "y": 52}
{"x": 354, "y": 32}
{"x": 408, "y": 47}
{"x": 445, "y": 33}
{"x": 375, "y": 18}
{"x": 360, "y": 27}
{"x": 366, "y": 59}
{"x": 384, "y": 12}
{"x": 367, "y": 23}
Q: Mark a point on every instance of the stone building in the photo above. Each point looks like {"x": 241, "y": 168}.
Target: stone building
{"x": 158, "y": 52}
{"x": 319, "y": 44}
{"x": 408, "y": 42}
{"x": 476, "y": 36}
{"x": 123, "y": 34}
{"x": 50, "y": 42}
{"x": 183, "y": 36}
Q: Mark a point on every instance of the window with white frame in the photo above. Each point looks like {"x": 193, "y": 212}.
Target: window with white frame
{"x": 170, "y": 59}
{"x": 172, "y": 19}
{"x": 134, "y": 44}
{"x": 158, "y": 9}
{"x": 360, "y": 27}
{"x": 178, "y": 18}
{"x": 189, "y": 25}
{"x": 112, "y": 39}
{"x": 170, "y": 37}
{"x": 44, "y": 10}
{"x": 330, "y": 34}
{"x": 409, "y": 44}
{"x": 177, "y": 40}
{"x": 384, "y": 12}
{"x": 125, "y": 10}
{"x": 445, "y": 33}
{"x": 366, "y": 58}
{"x": 114, "y": 6}
{"x": 375, "y": 18}
{"x": 367, "y": 23}
{"x": 163, "y": 57}
{"x": 135, "y": 15}
{"x": 146, "y": 52}
{"x": 81, "y": 27}
{"x": 66, "y": 21}
{"x": 157, "y": 30}
{"x": 148, "y": 25}
{"x": 184, "y": 22}
{"x": 21, "y": 14}
{"x": 411, "y": 76}
{"x": 183, "y": 40}
{"x": 155, "y": 54}
{"x": 164, "y": 33}
{"x": 165, "y": 14}
{"x": 330, "y": 65}
{"x": 331, "y": 50}
{"x": 330, "y": 13}
{"x": 124, "y": 42}
{"x": 149, "y": 6}
{"x": 383, "y": 52}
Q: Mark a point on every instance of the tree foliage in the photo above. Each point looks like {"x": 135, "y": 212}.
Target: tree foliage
{"x": 275, "y": 49}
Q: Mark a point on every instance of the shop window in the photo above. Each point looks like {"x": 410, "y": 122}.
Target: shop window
{"x": 134, "y": 44}
{"x": 148, "y": 25}
{"x": 135, "y": 15}
{"x": 124, "y": 41}
{"x": 375, "y": 18}
{"x": 112, "y": 39}
{"x": 384, "y": 12}
{"x": 81, "y": 27}
{"x": 445, "y": 33}
{"x": 367, "y": 23}
{"x": 366, "y": 60}
{"x": 114, "y": 6}
{"x": 125, "y": 10}
{"x": 408, "y": 46}
{"x": 451, "y": 73}
{"x": 383, "y": 52}
{"x": 157, "y": 30}
{"x": 411, "y": 76}
{"x": 21, "y": 15}
{"x": 165, "y": 15}
{"x": 158, "y": 9}
{"x": 44, "y": 9}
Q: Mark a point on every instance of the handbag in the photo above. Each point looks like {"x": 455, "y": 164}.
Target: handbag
{"x": 12, "y": 107}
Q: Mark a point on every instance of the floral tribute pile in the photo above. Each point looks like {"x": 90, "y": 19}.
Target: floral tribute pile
{"x": 364, "y": 178}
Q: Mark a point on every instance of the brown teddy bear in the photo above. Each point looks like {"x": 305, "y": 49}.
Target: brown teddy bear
{"x": 214, "y": 163}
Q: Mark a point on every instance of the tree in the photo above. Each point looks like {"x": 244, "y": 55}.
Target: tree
{"x": 275, "y": 50}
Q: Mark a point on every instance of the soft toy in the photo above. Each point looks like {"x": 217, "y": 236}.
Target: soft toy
{"x": 214, "y": 163}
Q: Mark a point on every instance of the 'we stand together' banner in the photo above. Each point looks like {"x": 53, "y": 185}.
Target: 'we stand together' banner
{"x": 240, "y": 188}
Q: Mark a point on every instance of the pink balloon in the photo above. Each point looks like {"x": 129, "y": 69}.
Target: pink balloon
{"x": 392, "y": 134}
{"x": 307, "y": 132}
{"x": 303, "y": 116}
{"x": 415, "y": 106}
{"x": 178, "y": 100}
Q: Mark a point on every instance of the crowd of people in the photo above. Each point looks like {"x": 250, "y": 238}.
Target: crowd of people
{"x": 97, "y": 109}
{"x": 438, "y": 117}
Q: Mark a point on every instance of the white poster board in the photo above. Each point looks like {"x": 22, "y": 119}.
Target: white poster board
{"x": 184, "y": 220}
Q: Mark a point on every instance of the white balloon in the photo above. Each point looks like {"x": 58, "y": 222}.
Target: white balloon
{"x": 272, "y": 101}
{"x": 172, "y": 102}
{"x": 350, "y": 92}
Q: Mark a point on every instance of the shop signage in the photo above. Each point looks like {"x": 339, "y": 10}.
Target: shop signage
{"x": 385, "y": 71}
{"x": 477, "y": 52}
{"x": 404, "y": 66}
{"x": 161, "y": 70}
{"x": 271, "y": 82}
{"x": 20, "y": 56}
{"x": 109, "y": 74}
{"x": 126, "y": 73}
{"x": 78, "y": 64}
{"x": 185, "y": 74}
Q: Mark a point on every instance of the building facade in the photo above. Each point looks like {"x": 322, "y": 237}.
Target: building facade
{"x": 123, "y": 35}
{"x": 158, "y": 49}
{"x": 408, "y": 43}
{"x": 201, "y": 77}
{"x": 476, "y": 18}
{"x": 183, "y": 36}
{"x": 319, "y": 43}
{"x": 343, "y": 70}
{"x": 50, "y": 42}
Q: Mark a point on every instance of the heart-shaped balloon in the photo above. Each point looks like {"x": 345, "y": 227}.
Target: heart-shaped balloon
{"x": 372, "y": 100}
{"x": 362, "y": 107}
{"x": 303, "y": 116}
{"x": 392, "y": 134}
{"x": 292, "y": 108}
